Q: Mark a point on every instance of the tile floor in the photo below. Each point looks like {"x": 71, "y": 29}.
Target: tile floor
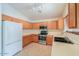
{"x": 35, "y": 49}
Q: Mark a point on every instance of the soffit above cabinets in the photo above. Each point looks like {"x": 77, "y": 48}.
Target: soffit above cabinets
{"x": 39, "y": 11}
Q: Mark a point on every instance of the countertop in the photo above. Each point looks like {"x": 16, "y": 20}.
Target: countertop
{"x": 64, "y": 49}
{"x": 61, "y": 49}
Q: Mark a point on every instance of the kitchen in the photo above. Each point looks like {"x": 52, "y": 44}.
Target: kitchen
{"x": 62, "y": 24}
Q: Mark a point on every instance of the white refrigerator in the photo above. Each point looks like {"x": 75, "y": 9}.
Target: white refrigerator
{"x": 0, "y": 37}
{"x": 12, "y": 38}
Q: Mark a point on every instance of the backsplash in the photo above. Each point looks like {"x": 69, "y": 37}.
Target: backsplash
{"x": 50, "y": 32}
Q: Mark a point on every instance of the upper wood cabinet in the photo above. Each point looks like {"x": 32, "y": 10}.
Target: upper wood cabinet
{"x": 7, "y": 18}
{"x": 61, "y": 23}
{"x": 72, "y": 8}
{"x": 35, "y": 25}
{"x": 49, "y": 24}
{"x": 38, "y": 24}
{"x": 52, "y": 25}
{"x": 26, "y": 25}
{"x": 43, "y": 23}
{"x": 78, "y": 15}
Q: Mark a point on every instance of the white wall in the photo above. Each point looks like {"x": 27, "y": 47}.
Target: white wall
{"x": 65, "y": 11}
{"x": 10, "y": 11}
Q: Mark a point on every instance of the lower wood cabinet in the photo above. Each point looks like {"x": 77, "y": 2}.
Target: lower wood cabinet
{"x": 26, "y": 40}
{"x": 35, "y": 38}
{"x": 49, "y": 40}
{"x": 30, "y": 38}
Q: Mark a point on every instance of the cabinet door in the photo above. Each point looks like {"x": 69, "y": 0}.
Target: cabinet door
{"x": 52, "y": 25}
{"x": 27, "y": 40}
{"x": 43, "y": 23}
{"x": 49, "y": 40}
{"x": 27, "y": 25}
{"x": 36, "y": 25}
{"x": 49, "y": 25}
{"x": 6, "y": 18}
{"x": 78, "y": 15}
{"x": 35, "y": 38}
{"x": 72, "y": 15}
{"x": 61, "y": 24}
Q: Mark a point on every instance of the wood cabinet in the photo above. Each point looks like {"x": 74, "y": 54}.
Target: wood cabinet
{"x": 7, "y": 18}
{"x": 49, "y": 40}
{"x": 26, "y": 40}
{"x": 35, "y": 38}
{"x": 43, "y": 23}
{"x": 52, "y": 25}
{"x": 26, "y": 25}
{"x": 72, "y": 23}
{"x": 36, "y": 25}
{"x": 78, "y": 15}
{"x": 61, "y": 23}
{"x": 30, "y": 38}
{"x": 49, "y": 24}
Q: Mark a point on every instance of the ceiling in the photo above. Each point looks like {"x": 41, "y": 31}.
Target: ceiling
{"x": 39, "y": 11}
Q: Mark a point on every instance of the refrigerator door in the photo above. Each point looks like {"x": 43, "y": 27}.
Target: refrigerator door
{"x": 0, "y": 30}
{"x": 12, "y": 38}
{"x": 13, "y": 49}
{"x": 0, "y": 38}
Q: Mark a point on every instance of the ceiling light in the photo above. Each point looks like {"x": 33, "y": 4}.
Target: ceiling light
{"x": 38, "y": 9}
